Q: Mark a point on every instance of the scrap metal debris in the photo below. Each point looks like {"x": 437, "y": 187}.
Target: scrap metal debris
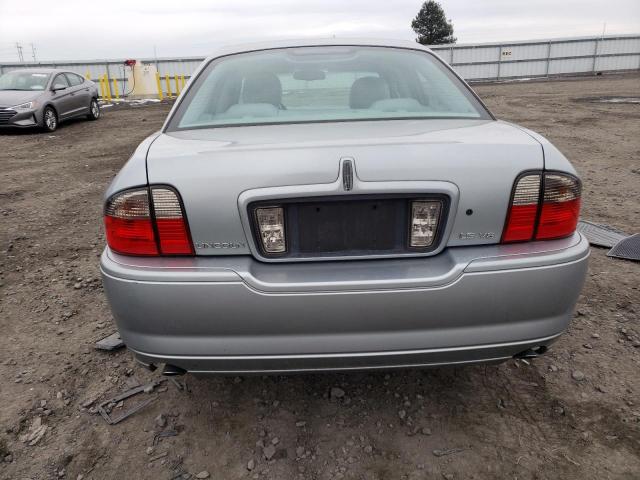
{"x": 180, "y": 386}
{"x": 447, "y": 451}
{"x": 36, "y": 431}
{"x": 105, "y": 407}
{"x": 158, "y": 457}
{"x": 628, "y": 248}
{"x": 112, "y": 342}
{"x": 163, "y": 434}
{"x": 600, "y": 235}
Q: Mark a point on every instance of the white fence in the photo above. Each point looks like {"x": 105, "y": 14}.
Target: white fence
{"x": 474, "y": 62}
{"x": 569, "y": 56}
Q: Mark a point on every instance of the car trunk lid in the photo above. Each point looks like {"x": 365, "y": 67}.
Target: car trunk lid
{"x": 211, "y": 168}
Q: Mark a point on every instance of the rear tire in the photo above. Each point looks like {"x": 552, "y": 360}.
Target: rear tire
{"x": 94, "y": 110}
{"x": 49, "y": 120}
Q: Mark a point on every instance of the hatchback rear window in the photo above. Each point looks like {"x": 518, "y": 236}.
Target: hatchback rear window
{"x": 320, "y": 84}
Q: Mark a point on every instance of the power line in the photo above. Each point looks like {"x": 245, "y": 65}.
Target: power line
{"x": 19, "y": 48}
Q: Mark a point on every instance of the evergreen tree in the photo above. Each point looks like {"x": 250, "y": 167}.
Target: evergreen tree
{"x": 432, "y": 25}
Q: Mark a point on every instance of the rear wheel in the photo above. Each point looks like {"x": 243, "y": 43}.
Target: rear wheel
{"x": 94, "y": 110}
{"x": 49, "y": 120}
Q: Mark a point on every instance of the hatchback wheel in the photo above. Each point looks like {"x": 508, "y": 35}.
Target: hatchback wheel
{"x": 94, "y": 110}
{"x": 50, "y": 119}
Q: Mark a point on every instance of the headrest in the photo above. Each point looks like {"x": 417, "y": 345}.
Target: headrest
{"x": 262, "y": 87}
{"x": 367, "y": 90}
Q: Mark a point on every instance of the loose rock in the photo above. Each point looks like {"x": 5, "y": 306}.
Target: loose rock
{"x": 446, "y": 451}
{"x": 337, "y": 392}
{"x": 577, "y": 375}
{"x": 269, "y": 451}
{"x": 161, "y": 421}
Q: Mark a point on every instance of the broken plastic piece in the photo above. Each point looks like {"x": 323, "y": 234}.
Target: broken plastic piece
{"x": 600, "y": 235}
{"x": 112, "y": 342}
{"x": 628, "y": 249}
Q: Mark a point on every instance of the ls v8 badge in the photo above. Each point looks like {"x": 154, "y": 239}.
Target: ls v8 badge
{"x": 478, "y": 235}
{"x": 204, "y": 245}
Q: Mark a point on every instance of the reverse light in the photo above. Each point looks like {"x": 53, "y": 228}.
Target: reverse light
{"x": 272, "y": 230}
{"x": 138, "y": 225}
{"x": 425, "y": 216}
{"x": 128, "y": 224}
{"x": 544, "y": 206}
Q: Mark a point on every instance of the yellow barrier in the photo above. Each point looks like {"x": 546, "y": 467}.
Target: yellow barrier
{"x": 107, "y": 88}
{"x": 87, "y": 75}
{"x": 115, "y": 88}
{"x": 166, "y": 80}
{"x": 182, "y": 81}
{"x": 175, "y": 78}
{"x": 103, "y": 94}
{"x": 160, "y": 95}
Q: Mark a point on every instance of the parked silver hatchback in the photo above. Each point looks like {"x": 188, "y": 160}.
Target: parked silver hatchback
{"x": 45, "y": 97}
{"x": 334, "y": 205}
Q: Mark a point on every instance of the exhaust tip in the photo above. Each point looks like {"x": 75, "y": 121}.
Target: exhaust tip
{"x": 531, "y": 352}
{"x": 172, "y": 371}
{"x": 149, "y": 366}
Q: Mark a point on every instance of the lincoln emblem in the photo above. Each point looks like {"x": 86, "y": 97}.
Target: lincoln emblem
{"x": 347, "y": 175}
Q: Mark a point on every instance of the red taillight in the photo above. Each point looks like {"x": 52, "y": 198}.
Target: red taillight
{"x": 560, "y": 207}
{"x": 128, "y": 224}
{"x": 131, "y": 223}
{"x": 172, "y": 228}
{"x": 521, "y": 221}
{"x": 555, "y": 217}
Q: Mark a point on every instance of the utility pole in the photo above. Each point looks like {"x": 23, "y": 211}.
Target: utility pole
{"x": 33, "y": 52}
{"x": 19, "y": 48}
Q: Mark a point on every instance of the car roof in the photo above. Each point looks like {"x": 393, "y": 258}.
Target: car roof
{"x": 314, "y": 42}
{"x": 40, "y": 70}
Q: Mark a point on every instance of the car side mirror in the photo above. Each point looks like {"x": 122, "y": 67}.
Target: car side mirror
{"x": 58, "y": 87}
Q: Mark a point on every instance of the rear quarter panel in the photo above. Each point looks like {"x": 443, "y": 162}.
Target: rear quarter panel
{"x": 134, "y": 172}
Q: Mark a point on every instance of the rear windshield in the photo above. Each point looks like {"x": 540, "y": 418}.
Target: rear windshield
{"x": 320, "y": 84}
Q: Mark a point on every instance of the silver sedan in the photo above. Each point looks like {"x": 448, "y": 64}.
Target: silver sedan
{"x": 339, "y": 205}
{"x": 46, "y": 97}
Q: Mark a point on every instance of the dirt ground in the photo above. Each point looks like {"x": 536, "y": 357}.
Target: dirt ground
{"x": 572, "y": 414}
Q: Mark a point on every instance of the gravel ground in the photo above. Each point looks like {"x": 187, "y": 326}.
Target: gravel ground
{"x": 572, "y": 414}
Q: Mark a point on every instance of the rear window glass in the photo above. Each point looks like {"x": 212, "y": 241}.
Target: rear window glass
{"x": 319, "y": 84}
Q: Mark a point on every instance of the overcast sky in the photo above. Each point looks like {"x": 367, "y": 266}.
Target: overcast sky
{"x": 89, "y": 29}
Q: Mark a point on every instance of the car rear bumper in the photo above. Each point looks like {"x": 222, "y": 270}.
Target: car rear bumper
{"x": 234, "y": 314}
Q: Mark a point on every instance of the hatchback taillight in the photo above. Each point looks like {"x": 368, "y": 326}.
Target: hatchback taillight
{"x": 543, "y": 206}
{"x": 137, "y": 224}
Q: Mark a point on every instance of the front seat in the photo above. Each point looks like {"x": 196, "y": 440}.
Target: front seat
{"x": 262, "y": 87}
{"x": 366, "y": 91}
